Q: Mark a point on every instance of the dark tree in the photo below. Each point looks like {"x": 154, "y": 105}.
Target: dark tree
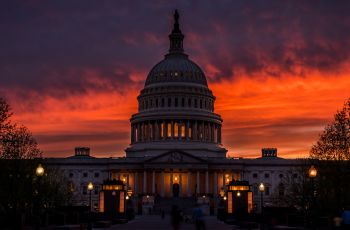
{"x": 16, "y": 141}
{"x": 331, "y": 155}
{"x": 22, "y": 192}
{"x": 334, "y": 142}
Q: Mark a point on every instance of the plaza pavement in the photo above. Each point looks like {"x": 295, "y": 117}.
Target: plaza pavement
{"x": 155, "y": 222}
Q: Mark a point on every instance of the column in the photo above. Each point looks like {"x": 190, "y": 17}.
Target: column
{"x": 223, "y": 179}
{"x": 194, "y": 129}
{"x": 203, "y": 132}
{"x": 186, "y": 129}
{"x": 180, "y": 183}
{"x": 136, "y": 181}
{"x": 162, "y": 184}
{"x": 172, "y": 129}
{"x": 127, "y": 181}
{"x": 198, "y": 185}
{"x": 156, "y": 131}
{"x": 144, "y": 181}
{"x": 153, "y": 182}
{"x": 209, "y": 131}
{"x": 171, "y": 183}
{"x": 138, "y": 132}
{"x": 132, "y": 134}
{"x": 165, "y": 129}
{"x": 189, "y": 183}
{"x": 215, "y": 183}
{"x": 206, "y": 182}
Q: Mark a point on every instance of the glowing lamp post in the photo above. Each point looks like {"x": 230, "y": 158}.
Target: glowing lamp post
{"x": 312, "y": 175}
{"x": 261, "y": 189}
{"x": 39, "y": 172}
{"x": 90, "y": 187}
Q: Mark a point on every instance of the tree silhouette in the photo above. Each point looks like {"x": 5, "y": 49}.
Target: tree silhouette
{"x": 331, "y": 155}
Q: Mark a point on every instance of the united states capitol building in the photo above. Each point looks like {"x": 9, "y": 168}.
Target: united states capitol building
{"x": 176, "y": 145}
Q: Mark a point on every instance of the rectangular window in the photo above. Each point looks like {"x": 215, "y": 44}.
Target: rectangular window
{"x": 183, "y": 131}
{"x": 267, "y": 191}
{"x": 97, "y": 174}
{"x": 84, "y": 190}
{"x": 255, "y": 189}
{"x": 85, "y": 174}
{"x": 169, "y": 102}
{"x": 102, "y": 202}
{"x": 250, "y": 202}
{"x": 121, "y": 202}
{"x": 229, "y": 202}
{"x": 190, "y": 132}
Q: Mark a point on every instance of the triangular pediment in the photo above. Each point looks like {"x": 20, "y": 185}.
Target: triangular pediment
{"x": 175, "y": 157}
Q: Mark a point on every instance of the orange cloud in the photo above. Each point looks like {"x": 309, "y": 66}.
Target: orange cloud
{"x": 286, "y": 112}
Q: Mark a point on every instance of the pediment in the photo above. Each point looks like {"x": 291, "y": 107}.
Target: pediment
{"x": 175, "y": 157}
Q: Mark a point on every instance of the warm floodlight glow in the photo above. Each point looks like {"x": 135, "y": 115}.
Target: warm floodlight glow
{"x": 312, "y": 172}
{"x": 90, "y": 186}
{"x": 238, "y": 194}
{"x": 261, "y": 187}
{"x": 39, "y": 170}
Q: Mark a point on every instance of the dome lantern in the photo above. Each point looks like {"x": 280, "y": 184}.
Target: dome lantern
{"x": 176, "y": 37}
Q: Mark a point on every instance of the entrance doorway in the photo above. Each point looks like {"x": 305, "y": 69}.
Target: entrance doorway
{"x": 176, "y": 190}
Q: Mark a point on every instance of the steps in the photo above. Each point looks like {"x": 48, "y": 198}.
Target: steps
{"x": 185, "y": 204}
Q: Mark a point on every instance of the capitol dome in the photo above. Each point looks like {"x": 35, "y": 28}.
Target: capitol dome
{"x": 176, "y": 68}
{"x": 176, "y": 108}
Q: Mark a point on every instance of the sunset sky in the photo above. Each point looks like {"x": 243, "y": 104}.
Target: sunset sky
{"x": 71, "y": 70}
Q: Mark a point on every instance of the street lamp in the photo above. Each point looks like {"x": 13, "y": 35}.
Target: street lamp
{"x": 90, "y": 187}
{"x": 312, "y": 172}
{"x": 261, "y": 189}
{"x": 312, "y": 175}
{"x": 39, "y": 172}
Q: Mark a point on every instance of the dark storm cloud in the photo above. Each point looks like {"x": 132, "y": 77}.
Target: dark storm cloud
{"x": 55, "y": 47}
